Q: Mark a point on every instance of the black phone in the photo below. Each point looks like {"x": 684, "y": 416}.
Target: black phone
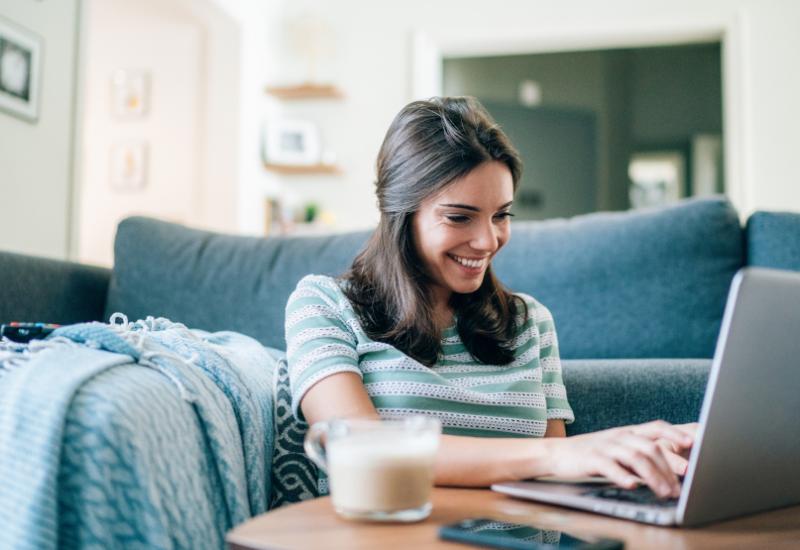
{"x": 492, "y": 533}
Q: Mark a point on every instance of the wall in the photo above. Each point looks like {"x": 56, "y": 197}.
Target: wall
{"x": 153, "y": 38}
{"x": 36, "y": 159}
{"x": 191, "y": 52}
{"x": 374, "y": 53}
{"x": 675, "y": 93}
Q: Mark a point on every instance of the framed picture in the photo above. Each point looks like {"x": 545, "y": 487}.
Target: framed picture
{"x": 291, "y": 142}
{"x": 20, "y": 71}
{"x": 129, "y": 165}
{"x": 130, "y": 93}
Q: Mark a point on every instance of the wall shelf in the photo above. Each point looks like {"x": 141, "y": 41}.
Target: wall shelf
{"x": 303, "y": 169}
{"x": 305, "y": 91}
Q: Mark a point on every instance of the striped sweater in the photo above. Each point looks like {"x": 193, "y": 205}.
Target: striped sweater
{"x": 324, "y": 336}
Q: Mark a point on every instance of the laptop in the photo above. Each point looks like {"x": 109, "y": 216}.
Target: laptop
{"x": 747, "y": 447}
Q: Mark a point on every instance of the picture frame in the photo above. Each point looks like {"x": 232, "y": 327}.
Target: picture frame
{"x": 20, "y": 71}
{"x": 128, "y": 165}
{"x": 130, "y": 93}
{"x": 291, "y": 142}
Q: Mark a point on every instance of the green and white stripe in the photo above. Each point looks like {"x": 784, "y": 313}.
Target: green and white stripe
{"x": 324, "y": 337}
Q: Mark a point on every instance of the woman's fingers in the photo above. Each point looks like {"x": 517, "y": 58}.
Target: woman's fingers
{"x": 618, "y": 475}
{"x": 681, "y": 435}
{"x": 645, "y": 458}
{"x": 676, "y": 461}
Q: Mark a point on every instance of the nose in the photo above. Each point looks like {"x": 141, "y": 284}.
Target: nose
{"x": 485, "y": 237}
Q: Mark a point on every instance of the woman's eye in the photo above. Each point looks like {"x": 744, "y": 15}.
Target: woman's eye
{"x": 455, "y": 218}
{"x": 504, "y": 215}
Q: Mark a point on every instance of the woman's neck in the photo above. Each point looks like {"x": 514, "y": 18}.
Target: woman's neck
{"x": 443, "y": 315}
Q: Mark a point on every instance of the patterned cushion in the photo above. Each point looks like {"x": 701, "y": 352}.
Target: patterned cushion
{"x": 294, "y": 476}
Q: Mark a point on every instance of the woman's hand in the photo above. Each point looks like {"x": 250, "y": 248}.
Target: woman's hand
{"x": 626, "y": 455}
{"x": 677, "y": 456}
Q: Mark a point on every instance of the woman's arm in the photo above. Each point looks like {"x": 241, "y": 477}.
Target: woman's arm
{"x": 624, "y": 455}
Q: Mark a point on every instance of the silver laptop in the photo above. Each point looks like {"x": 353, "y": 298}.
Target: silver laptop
{"x": 744, "y": 459}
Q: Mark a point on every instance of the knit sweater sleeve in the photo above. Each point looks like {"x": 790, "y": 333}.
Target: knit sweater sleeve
{"x": 549, "y": 360}
{"x": 319, "y": 339}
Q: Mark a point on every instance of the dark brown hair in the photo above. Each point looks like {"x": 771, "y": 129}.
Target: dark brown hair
{"x": 429, "y": 145}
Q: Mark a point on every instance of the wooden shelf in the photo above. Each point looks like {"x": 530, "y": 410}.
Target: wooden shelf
{"x": 302, "y": 169}
{"x": 305, "y": 91}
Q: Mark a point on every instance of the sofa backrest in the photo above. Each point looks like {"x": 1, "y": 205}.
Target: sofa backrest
{"x": 632, "y": 284}
{"x": 773, "y": 240}
{"x": 639, "y": 284}
{"x": 217, "y": 282}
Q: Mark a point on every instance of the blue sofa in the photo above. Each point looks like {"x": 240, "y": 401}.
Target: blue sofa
{"x": 637, "y": 297}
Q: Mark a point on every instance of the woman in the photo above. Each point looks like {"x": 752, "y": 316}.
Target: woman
{"x": 420, "y": 325}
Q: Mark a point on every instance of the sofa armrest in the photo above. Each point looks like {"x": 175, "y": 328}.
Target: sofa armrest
{"x": 608, "y": 393}
{"x": 52, "y": 291}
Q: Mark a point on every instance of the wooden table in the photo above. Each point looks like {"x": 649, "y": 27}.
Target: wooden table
{"x": 314, "y": 524}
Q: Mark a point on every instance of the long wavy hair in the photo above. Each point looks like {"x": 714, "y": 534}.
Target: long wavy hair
{"x": 428, "y": 146}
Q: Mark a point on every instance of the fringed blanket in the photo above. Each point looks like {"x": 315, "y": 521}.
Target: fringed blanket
{"x": 133, "y": 435}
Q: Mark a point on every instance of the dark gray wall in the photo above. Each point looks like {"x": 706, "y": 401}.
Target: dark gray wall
{"x": 675, "y": 93}
{"x": 558, "y": 146}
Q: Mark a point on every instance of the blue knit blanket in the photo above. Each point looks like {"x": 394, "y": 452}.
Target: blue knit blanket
{"x": 142, "y": 434}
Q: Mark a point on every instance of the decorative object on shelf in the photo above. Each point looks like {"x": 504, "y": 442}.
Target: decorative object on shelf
{"x": 291, "y": 143}
{"x": 130, "y": 93}
{"x": 306, "y": 90}
{"x": 20, "y": 71}
{"x": 129, "y": 165}
{"x": 310, "y": 212}
{"x": 277, "y": 217}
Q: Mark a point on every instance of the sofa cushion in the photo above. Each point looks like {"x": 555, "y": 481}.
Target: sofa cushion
{"x": 649, "y": 283}
{"x": 217, "y": 282}
{"x": 608, "y": 393}
{"x": 773, "y": 240}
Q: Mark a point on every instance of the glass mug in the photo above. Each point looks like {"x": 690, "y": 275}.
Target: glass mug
{"x": 378, "y": 470}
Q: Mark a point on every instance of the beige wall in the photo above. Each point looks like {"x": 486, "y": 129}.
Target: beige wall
{"x": 146, "y": 36}
{"x": 36, "y": 159}
{"x": 191, "y": 52}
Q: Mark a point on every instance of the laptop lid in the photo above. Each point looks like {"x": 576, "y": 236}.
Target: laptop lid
{"x": 748, "y": 443}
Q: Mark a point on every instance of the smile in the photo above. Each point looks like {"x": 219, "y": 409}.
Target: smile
{"x": 466, "y": 262}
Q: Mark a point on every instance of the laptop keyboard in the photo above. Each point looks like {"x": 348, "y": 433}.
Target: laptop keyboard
{"x": 639, "y": 495}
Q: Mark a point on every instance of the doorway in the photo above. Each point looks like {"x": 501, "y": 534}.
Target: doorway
{"x": 657, "y": 132}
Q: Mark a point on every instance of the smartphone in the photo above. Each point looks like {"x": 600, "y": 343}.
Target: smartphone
{"x": 492, "y": 533}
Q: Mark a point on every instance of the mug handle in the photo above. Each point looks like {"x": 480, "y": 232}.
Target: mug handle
{"x": 313, "y": 444}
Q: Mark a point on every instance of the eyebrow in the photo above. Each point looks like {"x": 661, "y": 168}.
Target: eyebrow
{"x": 473, "y": 208}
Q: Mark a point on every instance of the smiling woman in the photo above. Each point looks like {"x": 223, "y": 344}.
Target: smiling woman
{"x": 419, "y": 325}
{"x": 446, "y": 179}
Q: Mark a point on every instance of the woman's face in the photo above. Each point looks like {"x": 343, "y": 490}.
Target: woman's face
{"x": 458, "y": 231}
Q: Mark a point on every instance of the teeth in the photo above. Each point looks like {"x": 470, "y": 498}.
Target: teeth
{"x": 466, "y": 262}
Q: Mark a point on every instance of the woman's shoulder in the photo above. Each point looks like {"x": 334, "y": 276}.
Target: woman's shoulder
{"x": 322, "y": 287}
{"x": 537, "y": 311}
